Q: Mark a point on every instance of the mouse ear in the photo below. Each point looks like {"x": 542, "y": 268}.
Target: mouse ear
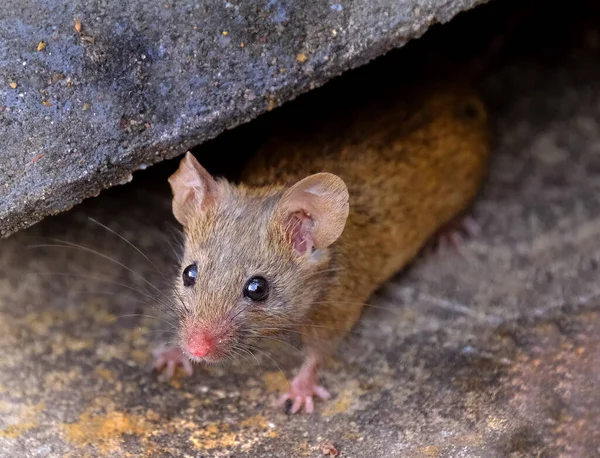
{"x": 193, "y": 189}
{"x": 314, "y": 211}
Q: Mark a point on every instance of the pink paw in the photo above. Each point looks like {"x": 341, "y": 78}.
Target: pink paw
{"x": 301, "y": 394}
{"x": 454, "y": 233}
{"x": 170, "y": 357}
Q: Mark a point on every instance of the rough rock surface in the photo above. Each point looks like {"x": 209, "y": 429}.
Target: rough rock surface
{"x": 493, "y": 354}
{"x": 92, "y": 91}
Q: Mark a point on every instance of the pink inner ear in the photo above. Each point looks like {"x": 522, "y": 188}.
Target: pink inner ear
{"x": 300, "y": 227}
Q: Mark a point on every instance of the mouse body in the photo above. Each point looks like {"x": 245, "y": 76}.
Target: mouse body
{"x": 320, "y": 219}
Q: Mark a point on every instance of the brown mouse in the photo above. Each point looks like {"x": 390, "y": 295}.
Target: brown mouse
{"x": 318, "y": 223}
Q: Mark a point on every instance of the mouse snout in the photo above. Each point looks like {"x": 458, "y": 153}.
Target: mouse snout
{"x": 201, "y": 343}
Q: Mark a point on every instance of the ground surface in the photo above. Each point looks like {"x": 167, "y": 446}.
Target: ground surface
{"x": 92, "y": 91}
{"x": 493, "y": 354}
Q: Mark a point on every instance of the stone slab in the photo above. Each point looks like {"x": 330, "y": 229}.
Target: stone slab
{"x": 92, "y": 91}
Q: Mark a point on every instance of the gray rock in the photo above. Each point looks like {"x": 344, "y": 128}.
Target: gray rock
{"x": 92, "y": 91}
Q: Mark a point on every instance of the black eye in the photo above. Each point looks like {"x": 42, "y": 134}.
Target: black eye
{"x": 256, "y": 289}
{"x": 189, "y": 275}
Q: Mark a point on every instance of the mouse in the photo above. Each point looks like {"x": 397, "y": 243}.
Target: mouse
{"x": 317, "y": 222}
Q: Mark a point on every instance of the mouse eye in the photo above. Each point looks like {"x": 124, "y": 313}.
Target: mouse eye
{"x": 189, "y": 275}
{"x": 256, "y": 289}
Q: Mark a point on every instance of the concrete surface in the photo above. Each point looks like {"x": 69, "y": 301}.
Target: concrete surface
{"x": 493, "y": 354}
{"x": 92, "y": 91}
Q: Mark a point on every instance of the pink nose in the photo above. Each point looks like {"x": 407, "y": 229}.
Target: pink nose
{"x": 200, "y": 344}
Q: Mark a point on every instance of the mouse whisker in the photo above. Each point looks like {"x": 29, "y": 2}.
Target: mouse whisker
{"x": 319, "y": 326}
{"x": 176, "y": 237}
{"x": 231, "y": 355}
{"x": 143, "y": 315}
{"x": 314, "y": 337}
{"x": 171, "y": 314}
{"x": 297, "y": 330}
{"x": 274, "y": 339}
{"x": 178, "y": 296}
{"x": 235, "y": 356}
{"x": 245, "y": 350}
{"x": 363, "y": 319}
{"x": 242, "y": 309}
{"x": 366, "y": 304}
{"x": 160, "y": 332}
{"x": 141, "y": 291}
{"x": 69, "y": 245}
{"x": 112, "y": 231}
{"x": 264, "y": 352}
{"x": 98, "y": 292}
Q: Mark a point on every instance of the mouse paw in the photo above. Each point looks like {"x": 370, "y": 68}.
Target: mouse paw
{"x": 171, "y": 358}
{"x": 454, "y": 233}
{"x": 301, "y": 394}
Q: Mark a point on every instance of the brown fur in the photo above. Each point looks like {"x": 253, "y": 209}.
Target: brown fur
{"x": 409, "y": 171}
{"x": 407, "y": 177}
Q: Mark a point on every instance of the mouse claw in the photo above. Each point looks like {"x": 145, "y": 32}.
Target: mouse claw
{"x": 302, "y": 396}
{"x": 308, "y": 404}
{"x": 187, "y": 366}
{"x": 321, "y": 392}
{"x": 454, "y": 233}
{"x": 170, "y": 369}
{"x": 470, "y": 226}
{"x": 170, "y": 357}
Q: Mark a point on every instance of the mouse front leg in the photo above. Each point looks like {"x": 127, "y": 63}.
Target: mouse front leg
{"x": 169, "y": 358}
{"x": 336, "y": 319}
{"x": 305, "y": 386}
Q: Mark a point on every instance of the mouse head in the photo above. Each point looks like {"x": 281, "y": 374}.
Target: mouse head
{"x": 255, "y": 259}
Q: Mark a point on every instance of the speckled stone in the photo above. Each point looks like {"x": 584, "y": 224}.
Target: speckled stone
{"x": 92, "y": 91}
